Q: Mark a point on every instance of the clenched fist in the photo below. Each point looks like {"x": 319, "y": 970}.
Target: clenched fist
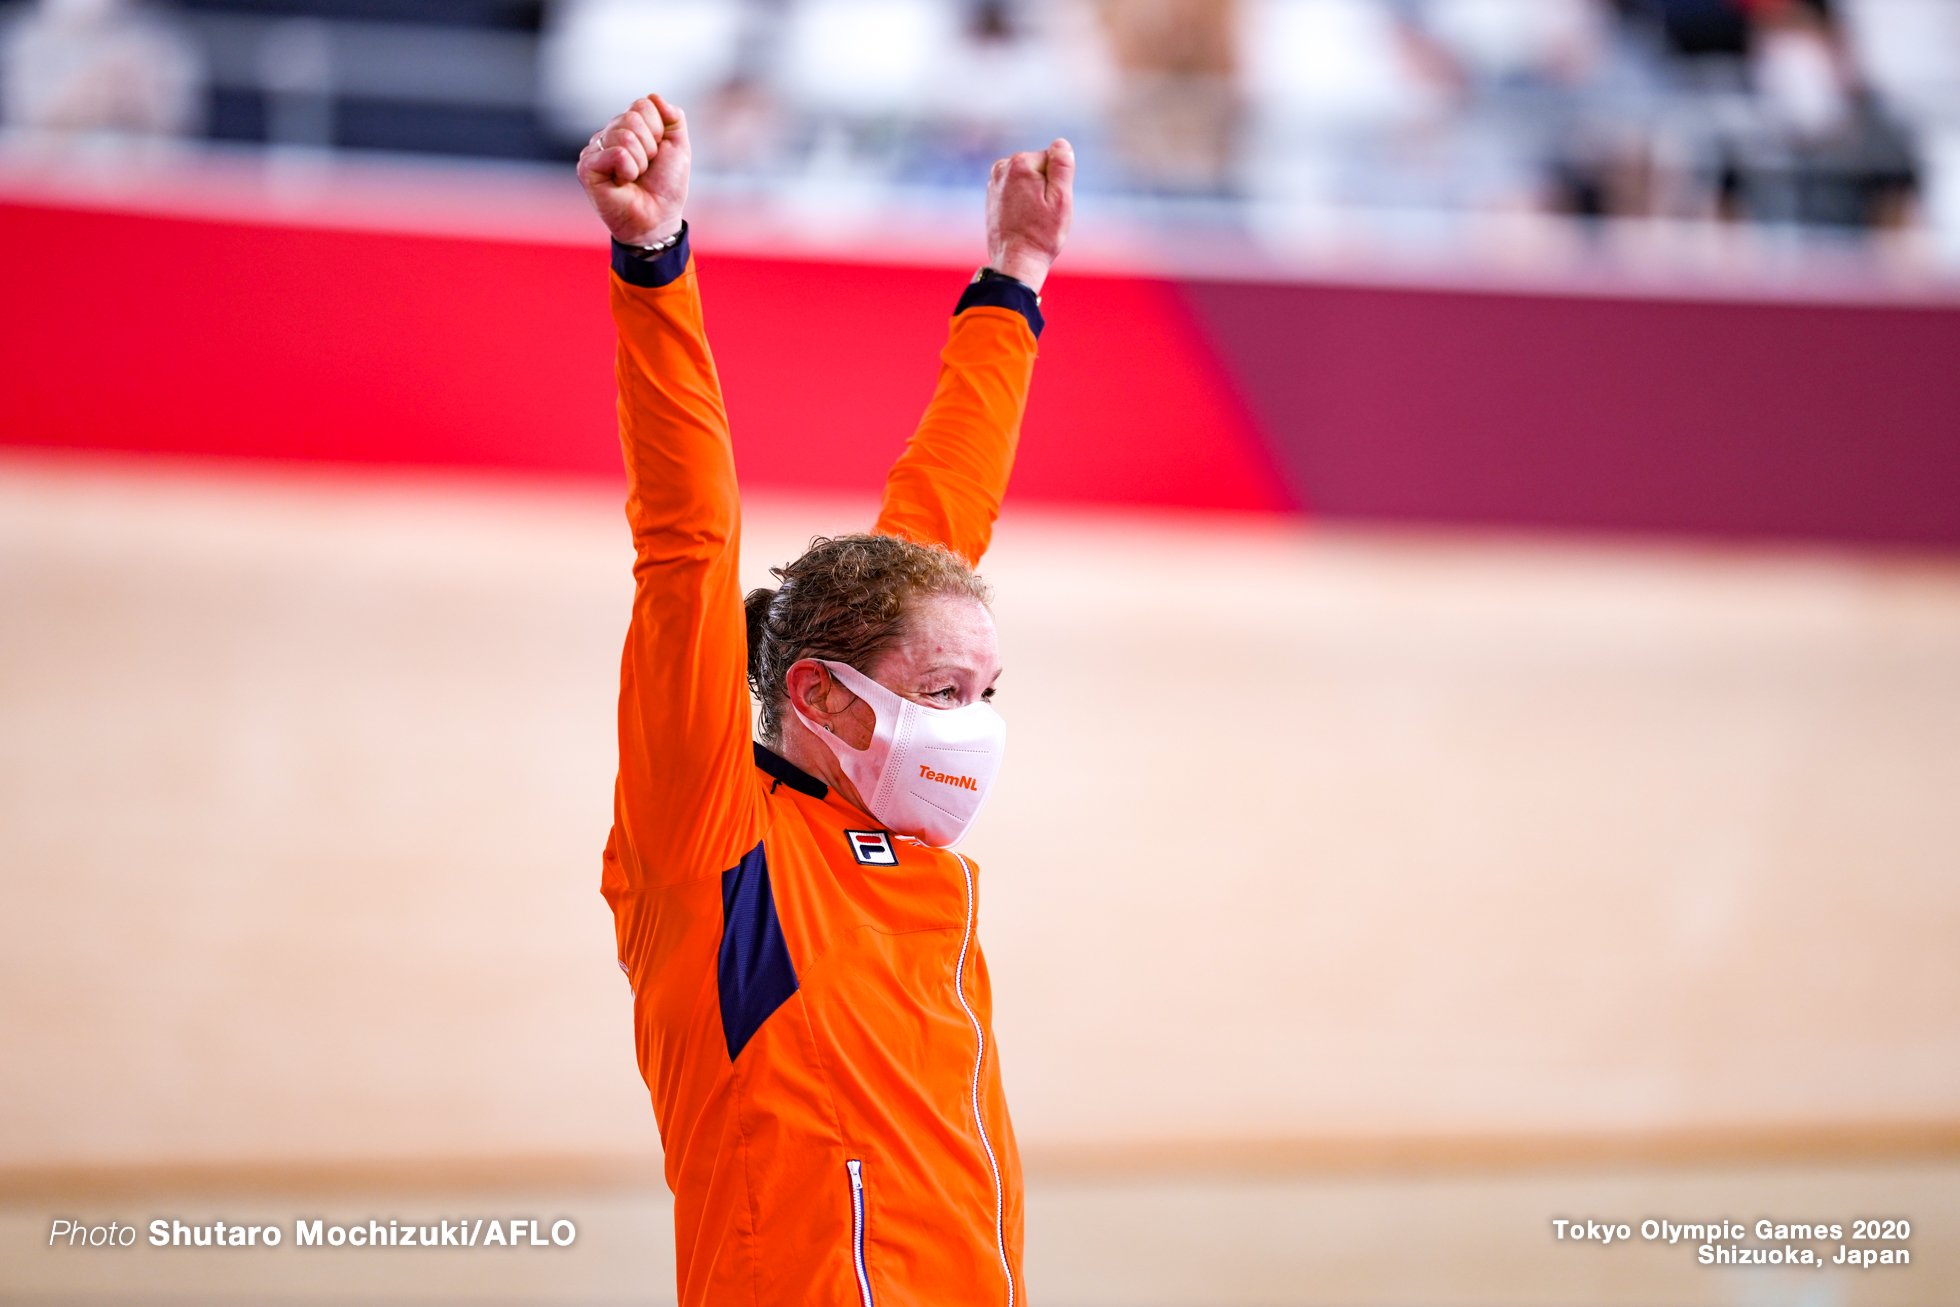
{"x": 1030, "y": 204}
{"x": 635, "y": 169}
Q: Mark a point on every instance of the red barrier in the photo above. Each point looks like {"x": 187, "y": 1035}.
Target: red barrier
{"x": 213, "y": 338}
{"x": 1780, "y": 419}
{"x": 1757, "y": 419}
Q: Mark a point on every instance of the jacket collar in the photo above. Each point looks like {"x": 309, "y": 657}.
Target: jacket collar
{"x": 790, "y": 774}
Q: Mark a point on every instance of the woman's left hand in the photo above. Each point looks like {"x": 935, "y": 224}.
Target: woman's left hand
{"x": 1030, "y": 204}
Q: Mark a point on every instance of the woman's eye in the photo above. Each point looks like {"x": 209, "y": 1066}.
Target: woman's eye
{"x": 986, "y": 696}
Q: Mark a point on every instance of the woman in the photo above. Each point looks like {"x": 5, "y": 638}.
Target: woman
{"x": 811, "y": 1010}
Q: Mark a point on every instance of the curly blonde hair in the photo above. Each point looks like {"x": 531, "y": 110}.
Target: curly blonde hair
{"x": 847, "y": 599}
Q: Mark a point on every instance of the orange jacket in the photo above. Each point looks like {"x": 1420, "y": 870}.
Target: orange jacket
{"x": 811, "y": 1007}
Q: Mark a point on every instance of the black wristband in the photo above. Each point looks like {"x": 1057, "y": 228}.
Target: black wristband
{"x": 651, "y": 269}
{"x": 992, "y": 287}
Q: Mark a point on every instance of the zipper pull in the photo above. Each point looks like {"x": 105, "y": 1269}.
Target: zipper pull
{"x": 855, "y": 1167}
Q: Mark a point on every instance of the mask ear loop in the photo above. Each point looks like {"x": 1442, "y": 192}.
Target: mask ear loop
{"x": 836, "y": 742}
{"x": 892, "y": 721}
{"x": 831, "y": 678}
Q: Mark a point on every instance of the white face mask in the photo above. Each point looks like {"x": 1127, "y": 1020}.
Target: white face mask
{"x": 928, "y": 770}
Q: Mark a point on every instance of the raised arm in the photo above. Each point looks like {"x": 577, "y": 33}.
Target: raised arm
{"x": 946, "y": 487}
{"x": 685, "y": 802}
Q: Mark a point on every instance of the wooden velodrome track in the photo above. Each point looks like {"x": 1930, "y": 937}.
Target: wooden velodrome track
{"x": 1356, "y": 902}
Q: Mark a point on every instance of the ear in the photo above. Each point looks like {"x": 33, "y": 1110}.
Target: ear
{"x": 815, "y": 693}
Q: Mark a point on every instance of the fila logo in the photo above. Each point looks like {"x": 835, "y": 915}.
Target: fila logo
{"x": 957, "y": 782}
{"x": 873, "y": 848}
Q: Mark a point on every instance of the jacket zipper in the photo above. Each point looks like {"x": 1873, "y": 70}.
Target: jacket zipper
{"x": 979, "y": 1058}
{"x": 856, "y": 1168}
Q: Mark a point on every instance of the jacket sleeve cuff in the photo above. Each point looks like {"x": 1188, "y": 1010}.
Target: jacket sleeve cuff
{"x": 636, "y": 267}
{"x": 1003, "y": 293}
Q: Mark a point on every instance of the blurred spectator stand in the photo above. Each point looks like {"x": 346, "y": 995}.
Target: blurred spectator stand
{"x": 1407, "y": 127}
{"x": 99, "y": 65}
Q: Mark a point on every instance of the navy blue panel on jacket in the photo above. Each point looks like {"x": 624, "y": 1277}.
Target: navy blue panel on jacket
{"x": 754, "y": 972}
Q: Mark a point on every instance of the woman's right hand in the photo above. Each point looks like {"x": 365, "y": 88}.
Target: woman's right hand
{"x": 634, "y": 169}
